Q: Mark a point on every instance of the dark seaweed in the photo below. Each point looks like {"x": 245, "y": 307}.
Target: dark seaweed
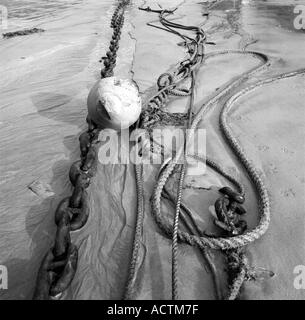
{"x": 21, "y": 33}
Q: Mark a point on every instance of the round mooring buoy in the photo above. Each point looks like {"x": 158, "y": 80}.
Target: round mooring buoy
{"x": 114, "y": 103}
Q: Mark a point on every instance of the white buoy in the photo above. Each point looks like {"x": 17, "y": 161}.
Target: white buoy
{"x": 114, "y": 103}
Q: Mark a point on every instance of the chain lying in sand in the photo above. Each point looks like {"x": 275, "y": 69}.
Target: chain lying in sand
{"x": 59, "y": 265}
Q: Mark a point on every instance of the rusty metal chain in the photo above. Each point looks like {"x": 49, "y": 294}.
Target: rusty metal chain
{"x": 59, "y": 264}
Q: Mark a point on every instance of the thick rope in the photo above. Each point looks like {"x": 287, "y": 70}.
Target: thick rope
{"x": 129, "y": 292}
{"x": 175, "y": 236}
{"x": 237, "y": 284}
{"x": 178, "y": 203}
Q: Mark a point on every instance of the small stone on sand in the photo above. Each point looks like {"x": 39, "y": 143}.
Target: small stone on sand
{"x": 41, "y": 189}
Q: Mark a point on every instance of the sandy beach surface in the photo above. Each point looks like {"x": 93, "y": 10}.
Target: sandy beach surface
{"x": 44, "y": 83}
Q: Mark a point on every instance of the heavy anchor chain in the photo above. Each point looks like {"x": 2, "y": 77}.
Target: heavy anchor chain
{"x": 59, "y": 264}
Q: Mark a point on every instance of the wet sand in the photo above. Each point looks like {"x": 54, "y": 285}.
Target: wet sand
{"x": 43, "y": 109}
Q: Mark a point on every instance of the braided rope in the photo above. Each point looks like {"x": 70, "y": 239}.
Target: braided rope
{"x": 241, "y": 276}
{"x": 175, "y": 236}
{"x": 138, "y": 234}
{"x": 178, "y": 203}
{"x": 237, "y": 284}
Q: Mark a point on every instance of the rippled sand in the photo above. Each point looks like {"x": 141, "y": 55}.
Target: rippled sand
{"x": 44, "y": 83}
